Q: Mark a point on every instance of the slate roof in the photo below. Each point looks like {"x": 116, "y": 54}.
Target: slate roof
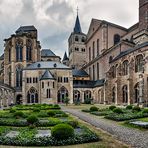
{"x": 65, "y": 57}
{"x": 77, "y": 28}
{"x": 2, "y": 57}
{"x": 79, "y": 73}
{"x": 25, "y": 29}
{"x": 46, "y": 65}
{"x": 88, "y": 83}
{"x": 47, "y": 75}
{"x": 47, "y": 53}
{"x": 126, "y": 52}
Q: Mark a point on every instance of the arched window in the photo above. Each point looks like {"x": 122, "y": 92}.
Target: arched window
{"x": 48, "y": 93}
{"x": 76, "y": 38}
{"x": 113, "y": 71}
{"x": 32, "y": 96}
{"x": 136, "y": 88}
{"x": 19, "y": 50}
{"x": 29, "y": 50}
{"x": 62, "y": 94}
{"x": 113, "y": 94}
{"x": 42, "y": 84}
{"x": 125, "y": 68}
{"x": 116, "y": 39}
{"x": 87, "y": 95}
{"x": 9, "y": 75}
{"x": 125, "y": 94}
{"x": 76, "y": 96}
{"x": 83, "y": 39}
{"x": 19, "y": 76}
{"x": 139, "y": 63}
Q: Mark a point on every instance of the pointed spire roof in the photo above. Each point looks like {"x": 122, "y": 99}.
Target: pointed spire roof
{"x": 77, "y": 28}
{"x": 65, "y": 57}
{"x": 47, "y": 75}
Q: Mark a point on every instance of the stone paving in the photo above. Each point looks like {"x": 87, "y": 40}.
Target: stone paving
{"x": 133, "y": 137}
{"x": 12, "y": 134}
{"x": 43, "y": 133}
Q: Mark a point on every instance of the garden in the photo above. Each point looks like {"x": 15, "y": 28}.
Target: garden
{"x": 41, "y": 125}
{"x": 133, "y": 116}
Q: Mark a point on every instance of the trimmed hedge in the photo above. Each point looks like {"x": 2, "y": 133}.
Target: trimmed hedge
{"x": 32, "y": 119}
{"x": 93, "y": 109}
{"x": 117, "y": 110}
{"x": 136, "y": 108}
{"x": 62, "y": 131}
{"x": 129, "y": 107}
{"x": 112, "y": 107}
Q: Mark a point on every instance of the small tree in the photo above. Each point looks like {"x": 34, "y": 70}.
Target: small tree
{"x": 66, "y": 100}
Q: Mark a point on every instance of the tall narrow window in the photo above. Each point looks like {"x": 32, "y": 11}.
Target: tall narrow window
{"x": 97, "y": 46}
{"x": 93, "y": 72}
{"x": 93, "y": 50}
{"x": 42, "y": 84}
{"x": 19, "y": 76}
{"x": 53, "y": 84}
{"x": 89, "y": 54}
{"x": 125, "y": 94}
{"x": 9, "y": 54}
{"x": 125, "y": 68}
{"x": 139, "y": 63}
{"x": 48, "y": 93}
{"x": 19, "y": 51}
{"x": 29, "y": 50}
{"x": 116, "y": 39}
{"x": 9, "y": 75}
{"x": 98, "y": 71}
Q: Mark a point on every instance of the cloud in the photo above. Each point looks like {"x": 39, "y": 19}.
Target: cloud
{"x": 55, "y": 19}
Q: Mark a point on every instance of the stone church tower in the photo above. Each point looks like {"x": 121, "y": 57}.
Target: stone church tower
{"x": 142, "y": 35}
{"x": 77, "y": 47}
{"x": 21, "y": 49}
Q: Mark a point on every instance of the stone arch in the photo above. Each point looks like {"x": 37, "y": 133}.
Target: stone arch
{"x": 125, "y": 67}
{"x": 113, "y": 94}
{"x": 139, "y": 63}
{"x": 32, "y": 96}
{"x": 19, "y": 99}
{"x": 125, "y": 94}
{"x": 62, "y": 94}
{"x": 87, "y": 95}
{"x": 76, "y": 96}
{"x": 136, "y": 92}
{"x": 19, "y": 49}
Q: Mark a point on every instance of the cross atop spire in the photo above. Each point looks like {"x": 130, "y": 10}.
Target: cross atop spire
{"x": 77, "y": 28}
{"x": 77, "y": 10}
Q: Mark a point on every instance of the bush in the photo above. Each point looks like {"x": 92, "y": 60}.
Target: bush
{"x": 32, "y": 119}
{"x": 112, "y": 107}
{"x": 56, "y": 106}
{"x": 117, "y": 110}
{"x": 12, "y": 110}
{"x": 62, "y": 131}
{"x": 87, "y": 101}
{"x": 74, "y": 124}
{"x": 145, "y": 110}
{"x": 51, "y": 113}
{"x": 18, "y": 114}
{"x": 93, "y": 109}
{"x": 36, "y": 110}
{"x": 129, "y": 107}
{"x": 136, "y": 108}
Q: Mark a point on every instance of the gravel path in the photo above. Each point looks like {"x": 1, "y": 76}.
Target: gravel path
{"x": 133, "y": 137}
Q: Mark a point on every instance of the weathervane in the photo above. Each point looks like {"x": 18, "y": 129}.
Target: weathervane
{"x": 77, "y": 10}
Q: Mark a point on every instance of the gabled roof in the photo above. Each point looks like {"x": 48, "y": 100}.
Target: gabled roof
{"x": 46, "y": 65}
{"x": 65, "y": 57}
{"x": 79, "y": 73}
{"x": 47, "y": 53}
{"x": 77, "y": 28}
{"x": 99, "y": 83}
{"x": 47, "y": 75}
{"x": 25, "y": 29}
{"x": 2, "y": 57}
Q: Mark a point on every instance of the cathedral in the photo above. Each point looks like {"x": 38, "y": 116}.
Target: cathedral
{"x": 108, "y": 65}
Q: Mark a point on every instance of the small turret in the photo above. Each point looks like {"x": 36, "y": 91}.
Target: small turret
{"x": 65, "y": 60}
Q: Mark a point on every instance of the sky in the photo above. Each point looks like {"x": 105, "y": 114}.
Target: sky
{"x": 55, "y": 19}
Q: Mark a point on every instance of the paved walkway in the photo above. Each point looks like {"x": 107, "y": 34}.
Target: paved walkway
{"x": 133, "y": 137}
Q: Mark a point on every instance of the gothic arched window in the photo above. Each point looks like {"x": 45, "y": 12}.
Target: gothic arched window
{"x": 32, "y": 96}
{"x": 9, "y": 75}
{"x": 9, "y": 56}
{"x": 29, "y": 50}
{"x": 116, "y": 39}
{"x": 125, "y": 68}
{"x": 113, "y": 71}
{"x": 19, "y": 50}
{"x": 125, "y": 94}
{"x": 139, "y": 63}
{"x": 113, "y": 94}
{"x": 76, "y": 38}
{"x": 19, "y": 69}
{"x": 136, "y": 88}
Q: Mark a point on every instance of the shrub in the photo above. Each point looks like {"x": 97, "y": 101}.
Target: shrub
{"x": 93, "y": 109}
{"x": 12, "y": 110}
{"x": 117, "y": 110}
{"x": 51, "y": 113}
{"x": 136, "y": 108}
{"x": 129, "y": 107}
{"x": 32, "y": 119}
{"x": 145, "y": 110}
{"x": 87, "y": 101}
{"x": 62, "y": 131}
{"x": 56, "y": 106}
{"x": 36, "y": 110}
{"x": 112, "y": 107}
{"x": 18, "y": 114}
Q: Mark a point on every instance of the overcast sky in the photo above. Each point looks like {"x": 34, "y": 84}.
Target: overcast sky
{"x": 55, "y": 19}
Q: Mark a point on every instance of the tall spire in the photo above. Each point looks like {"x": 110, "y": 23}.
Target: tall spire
{"x": 77, "y": 28}
{"x": 65, "y": 57}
